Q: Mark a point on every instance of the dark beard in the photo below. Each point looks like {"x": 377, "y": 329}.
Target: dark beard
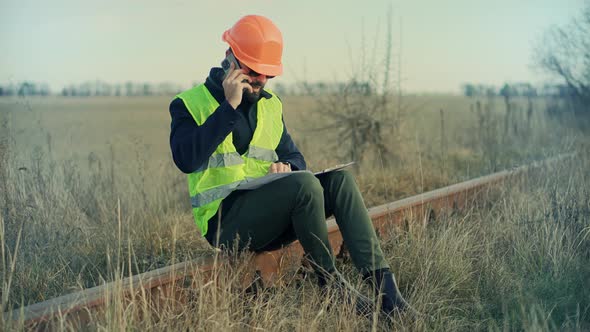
{"x": 252, "y": 97}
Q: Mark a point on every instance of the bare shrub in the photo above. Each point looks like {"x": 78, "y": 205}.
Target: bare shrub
{"x": 361, "y": 114}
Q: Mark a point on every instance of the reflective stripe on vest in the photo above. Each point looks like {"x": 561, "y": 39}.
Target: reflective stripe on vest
{"x": 221, "y": 160}
{"x": 226, "y": 169}
{"x": 211, "y": 195}
{"x": 262, "y": 154}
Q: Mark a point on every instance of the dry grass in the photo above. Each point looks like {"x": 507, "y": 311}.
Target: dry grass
{"x": 89, "y": 194}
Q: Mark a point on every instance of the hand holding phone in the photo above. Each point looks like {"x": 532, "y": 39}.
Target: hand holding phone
{"x": 235, "y": 81}
{"x": 227, "y": 62}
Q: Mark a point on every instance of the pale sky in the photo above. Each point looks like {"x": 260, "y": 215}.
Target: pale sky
{"x": 443, "y": 43}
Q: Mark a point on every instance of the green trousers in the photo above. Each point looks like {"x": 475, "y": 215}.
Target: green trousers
{"x": 295, "y": 208}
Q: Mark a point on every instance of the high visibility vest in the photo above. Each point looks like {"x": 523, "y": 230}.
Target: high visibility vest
{"x": 226, "y": 168}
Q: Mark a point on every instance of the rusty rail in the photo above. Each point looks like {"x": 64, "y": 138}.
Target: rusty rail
{"x": 165, "y": 283}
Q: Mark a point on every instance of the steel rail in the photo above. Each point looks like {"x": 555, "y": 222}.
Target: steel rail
{"x": 165, "y": 283}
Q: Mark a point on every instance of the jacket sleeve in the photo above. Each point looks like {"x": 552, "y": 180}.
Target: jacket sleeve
{"x": 191, "y": 144}
{"x": 288, "y": 152}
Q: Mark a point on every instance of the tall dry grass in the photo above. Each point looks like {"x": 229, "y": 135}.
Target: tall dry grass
{"x": 516, "y": 262}
{"x": 75, "y": 222}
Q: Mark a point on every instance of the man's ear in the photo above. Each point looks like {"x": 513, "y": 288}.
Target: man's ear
{"x": 227, "y": 52}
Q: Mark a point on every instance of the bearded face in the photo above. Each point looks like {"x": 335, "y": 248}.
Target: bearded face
{"x": 253, "y": 96}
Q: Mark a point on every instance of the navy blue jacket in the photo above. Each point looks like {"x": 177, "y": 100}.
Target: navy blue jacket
{"x": 192, "y": 145}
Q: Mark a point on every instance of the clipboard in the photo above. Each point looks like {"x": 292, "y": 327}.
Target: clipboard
{"x": 251, "y": 184}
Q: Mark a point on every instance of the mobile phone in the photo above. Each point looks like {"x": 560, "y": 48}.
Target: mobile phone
{"x": 226, "y": 63}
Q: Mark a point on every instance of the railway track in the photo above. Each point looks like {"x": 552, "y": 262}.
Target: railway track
{"x": 159, "y": 287}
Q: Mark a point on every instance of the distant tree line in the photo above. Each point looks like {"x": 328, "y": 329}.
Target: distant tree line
{"x": 91, "y": 89}
{"x": 518, "y": 90}
{"x": 25, "y": 89}
{"x": 325, "y": 88}
{"x": 99, "y": 88}
{"x": 521, "y": 89}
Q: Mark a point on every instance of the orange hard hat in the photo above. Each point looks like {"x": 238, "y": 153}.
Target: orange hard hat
{"x": 258, "y": 43}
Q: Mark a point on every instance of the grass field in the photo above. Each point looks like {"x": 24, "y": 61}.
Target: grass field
{"x": 88, "y": 184}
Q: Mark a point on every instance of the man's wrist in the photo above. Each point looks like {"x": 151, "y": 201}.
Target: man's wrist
{"x": 234, "y": 106}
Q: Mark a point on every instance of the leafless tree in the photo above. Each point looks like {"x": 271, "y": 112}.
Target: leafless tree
{"x": 363, "y": 113}
{"x": 564, "y": 52}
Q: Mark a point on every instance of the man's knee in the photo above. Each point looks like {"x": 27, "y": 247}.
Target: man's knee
{"x": 341, "y": 178}
{"x": 302, "y": 188}
{"x": 306, "y": 183}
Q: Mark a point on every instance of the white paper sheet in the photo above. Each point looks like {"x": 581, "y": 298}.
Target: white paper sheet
{"x": 251, "y": 184}
{"x": 261, "y": 181}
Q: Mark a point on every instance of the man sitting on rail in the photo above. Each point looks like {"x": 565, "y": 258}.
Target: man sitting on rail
{"x": 231, "y": 128}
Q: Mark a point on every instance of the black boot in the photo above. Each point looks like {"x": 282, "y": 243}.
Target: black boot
{"x": 345, "y": 292}
{"x": 386, "y": 290}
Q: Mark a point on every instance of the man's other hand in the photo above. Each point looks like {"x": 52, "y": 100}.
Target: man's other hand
{"x": 279, "y": 168}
